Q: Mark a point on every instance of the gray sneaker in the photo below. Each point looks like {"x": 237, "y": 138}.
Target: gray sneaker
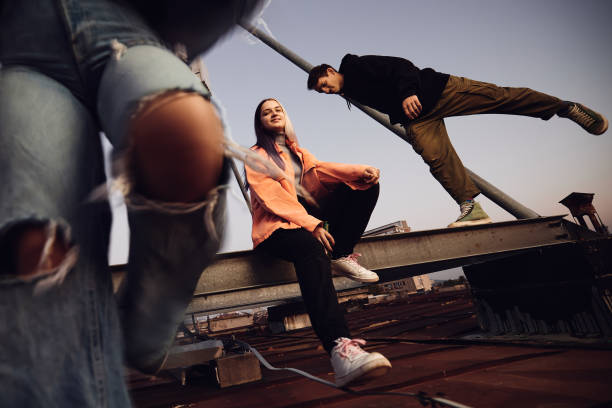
{"x": 591, "y": 121}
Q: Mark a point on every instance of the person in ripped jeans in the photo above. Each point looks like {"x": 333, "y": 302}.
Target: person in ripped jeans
{"x": 420, "y": 99}
{"x": 70, "y": 69}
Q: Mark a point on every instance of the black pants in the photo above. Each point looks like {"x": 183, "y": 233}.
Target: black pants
{"x": 348, "y": 212}
{"x": 351, "y": 211}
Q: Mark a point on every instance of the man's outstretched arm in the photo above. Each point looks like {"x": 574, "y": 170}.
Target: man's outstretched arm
{"x": 408, "y": 86}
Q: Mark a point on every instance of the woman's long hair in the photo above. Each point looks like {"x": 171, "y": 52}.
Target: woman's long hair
{"x": 265, "y": 139}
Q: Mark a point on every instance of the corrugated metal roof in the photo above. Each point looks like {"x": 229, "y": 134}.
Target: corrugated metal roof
{"x": 426, "y": 339}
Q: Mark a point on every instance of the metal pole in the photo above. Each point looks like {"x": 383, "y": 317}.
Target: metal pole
{"x": 490, "y": 191}
{"x": 240, "y": 183}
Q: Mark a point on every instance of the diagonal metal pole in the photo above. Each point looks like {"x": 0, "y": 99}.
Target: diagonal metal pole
{"x": 241, "y": 184}
{"x": 490, "y": 191}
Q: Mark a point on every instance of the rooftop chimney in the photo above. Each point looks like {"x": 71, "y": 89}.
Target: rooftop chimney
{"x": 581, "y": 204}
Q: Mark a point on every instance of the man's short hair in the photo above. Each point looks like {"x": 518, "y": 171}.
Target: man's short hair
{"x": 316, "y": 73}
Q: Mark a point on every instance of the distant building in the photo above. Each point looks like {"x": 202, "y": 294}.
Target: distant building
{"x": 393, "y": 228}
{"x": 414, "y": 284}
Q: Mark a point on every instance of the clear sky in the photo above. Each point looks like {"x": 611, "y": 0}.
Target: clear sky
{"x": 557, "y": 47}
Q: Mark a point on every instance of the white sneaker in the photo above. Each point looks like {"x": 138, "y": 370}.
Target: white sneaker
{"x": 352, "y": 364}
{"x": 349, "y": 267}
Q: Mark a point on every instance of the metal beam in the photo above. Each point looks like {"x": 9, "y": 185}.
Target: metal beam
{"x": 246, "y": 278}
{"x": 241, "y": 184}
{"x": 490, "y": 191}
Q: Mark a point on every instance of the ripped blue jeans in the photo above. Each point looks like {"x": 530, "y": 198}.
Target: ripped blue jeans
{"x": 62, "y": 335}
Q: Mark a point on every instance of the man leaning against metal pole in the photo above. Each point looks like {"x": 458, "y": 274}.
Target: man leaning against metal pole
{"x": 420, "y": 99}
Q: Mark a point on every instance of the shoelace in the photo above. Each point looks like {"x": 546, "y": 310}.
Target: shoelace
{"x": 465, "y": 208}
{"x": 581, "y": 116}
{"x": 349, "y": 348}
{"x": 353, "y": 257}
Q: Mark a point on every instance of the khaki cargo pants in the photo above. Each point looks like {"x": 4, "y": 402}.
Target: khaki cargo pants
{"x": 463, "y": 96}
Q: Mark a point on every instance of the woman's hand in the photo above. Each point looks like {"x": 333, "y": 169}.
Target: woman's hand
{"x": 324, "y": 237}
{"x": 371, "y": 175}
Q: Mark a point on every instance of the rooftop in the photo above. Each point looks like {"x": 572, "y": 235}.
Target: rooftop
{"x": 435, "y": 346}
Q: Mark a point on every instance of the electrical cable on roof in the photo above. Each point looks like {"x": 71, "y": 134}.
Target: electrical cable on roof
{"x": 229, "y": 344}
{"x": 422, "y": 397}
{"x": 467, "y": 342}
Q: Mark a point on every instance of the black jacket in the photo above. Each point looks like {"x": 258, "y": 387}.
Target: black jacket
{"x": 384, "y": 82}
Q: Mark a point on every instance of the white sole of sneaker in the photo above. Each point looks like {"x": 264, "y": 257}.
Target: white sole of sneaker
{"x": 351, "y": 277}
{"x": 466, "y": 223}
{"x": 604, "y": 128}
{"x": 372, "y": 369}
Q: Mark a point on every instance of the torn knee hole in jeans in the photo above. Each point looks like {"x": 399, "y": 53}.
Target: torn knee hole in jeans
{"x": 40, "y": 251}
{"x": 124, "y": 165}
{"x": 124, "y": 175}
{"x": 121, "y": 183}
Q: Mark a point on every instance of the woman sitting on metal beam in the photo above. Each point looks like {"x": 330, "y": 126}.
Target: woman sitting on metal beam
{"x": 291, "y": 194}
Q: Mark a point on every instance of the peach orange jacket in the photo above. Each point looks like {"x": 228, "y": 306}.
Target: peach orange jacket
{"x": 275, "y": 203}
